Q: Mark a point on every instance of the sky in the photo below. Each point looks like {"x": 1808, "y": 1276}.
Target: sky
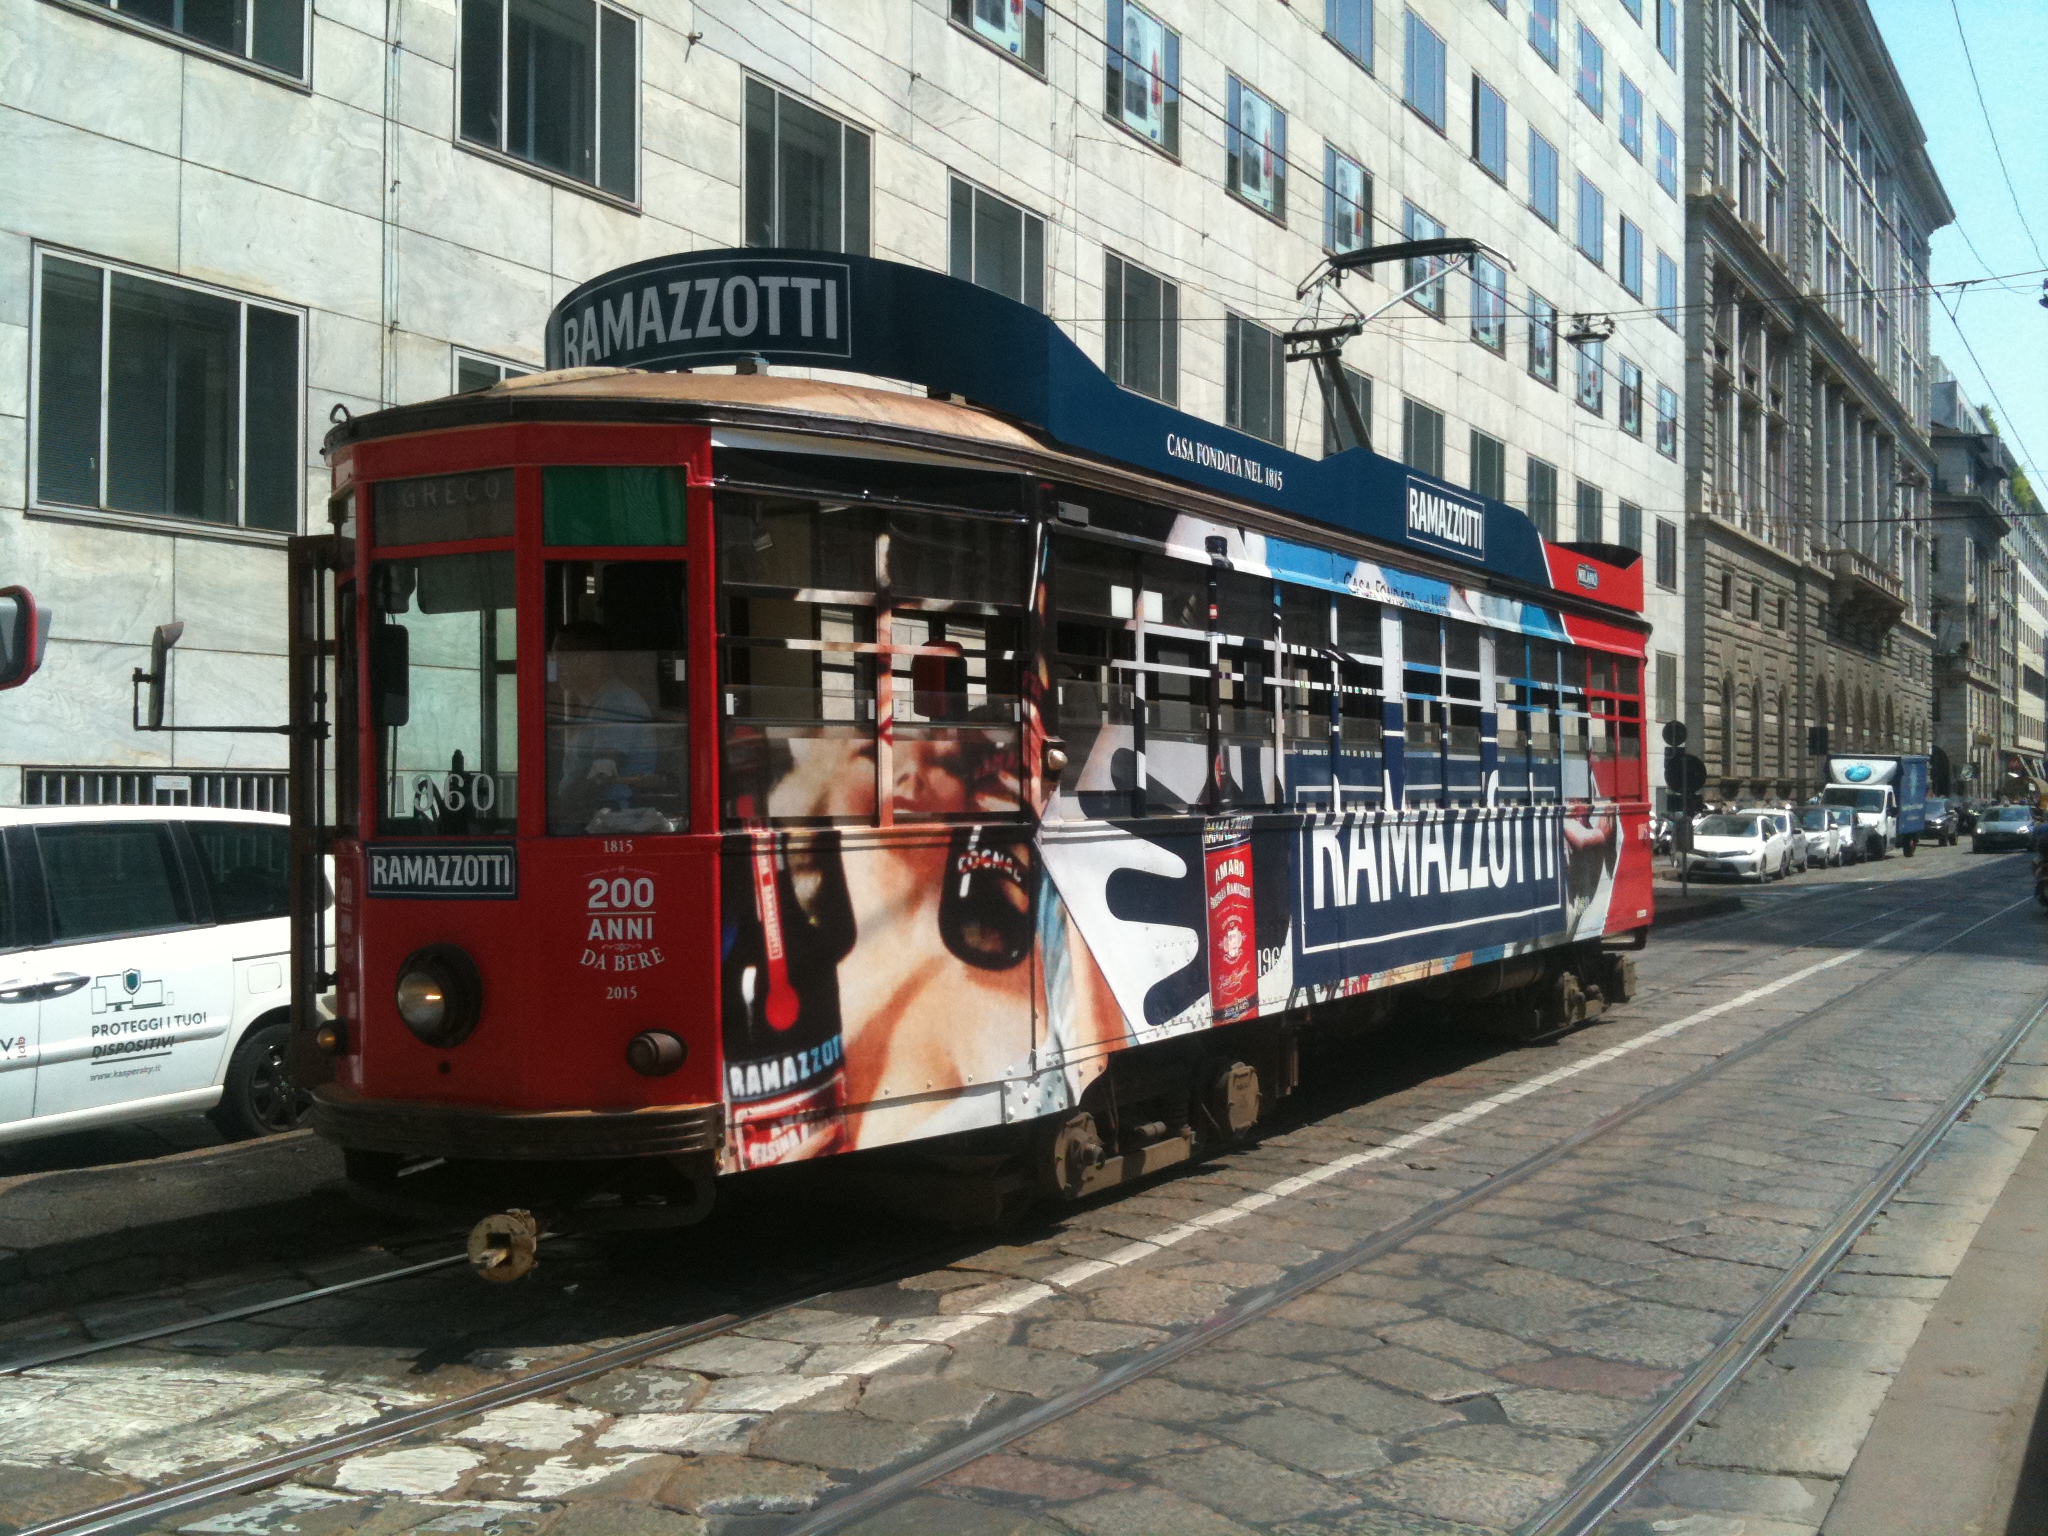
{"x": 2008, "y": 329}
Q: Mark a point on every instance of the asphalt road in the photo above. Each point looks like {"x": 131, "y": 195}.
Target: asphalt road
{"x": 1432, "y": 1301}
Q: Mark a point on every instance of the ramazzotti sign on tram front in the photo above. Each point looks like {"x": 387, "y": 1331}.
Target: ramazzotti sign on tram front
{"x": 860, "y": 315}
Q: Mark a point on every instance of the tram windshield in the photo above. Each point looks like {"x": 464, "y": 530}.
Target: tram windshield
{"x": 443, "y": 684}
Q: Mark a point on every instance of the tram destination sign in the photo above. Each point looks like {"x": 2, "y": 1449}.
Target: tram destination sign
{"x": 856, "y": 314}
{"x": 444, "y": 871}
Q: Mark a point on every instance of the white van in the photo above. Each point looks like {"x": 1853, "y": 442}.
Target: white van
{"x": 144, "y": 968}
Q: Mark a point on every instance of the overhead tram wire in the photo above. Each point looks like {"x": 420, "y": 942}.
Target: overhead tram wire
{"x": 1991, "y": 132}
{"x": 2011, "y": 423}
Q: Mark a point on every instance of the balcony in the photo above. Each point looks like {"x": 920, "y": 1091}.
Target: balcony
{"x": 1865, "y": 593}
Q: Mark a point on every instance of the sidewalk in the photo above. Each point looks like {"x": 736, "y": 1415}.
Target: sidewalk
{"x": 1960, "y": 1447}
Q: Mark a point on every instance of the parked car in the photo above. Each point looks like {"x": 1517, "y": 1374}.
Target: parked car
{"x": 1796, "y": 861}
{"x": 147, "y": 951}
{"x": 1827, "y": 833}
{"x": 1944, "y": 821}
{"x": 2002, "y": 828}
{"x": 1750, "y": 845}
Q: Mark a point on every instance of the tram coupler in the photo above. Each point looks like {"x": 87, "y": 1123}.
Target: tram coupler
{"x": 505, "y": 1246}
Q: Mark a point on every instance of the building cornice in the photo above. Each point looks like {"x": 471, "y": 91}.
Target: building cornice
{"x": 1884, "y": 92}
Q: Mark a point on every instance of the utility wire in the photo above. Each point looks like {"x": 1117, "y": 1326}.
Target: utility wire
{"x": 1992, "y": 133}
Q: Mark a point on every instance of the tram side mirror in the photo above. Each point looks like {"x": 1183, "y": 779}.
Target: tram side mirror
{"x": 391, "y": 674}
{"x": 150, "y": 685}
{"x": 24, "y": 631}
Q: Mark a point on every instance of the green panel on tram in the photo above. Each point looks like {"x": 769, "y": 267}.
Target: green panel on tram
{"x": 597, "y": 504}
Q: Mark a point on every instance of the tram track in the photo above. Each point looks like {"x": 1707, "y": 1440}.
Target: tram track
{"x": 151, "y": 1506}
{"x": 1617, "y": 1473}
{"x": 170, "y": 1330}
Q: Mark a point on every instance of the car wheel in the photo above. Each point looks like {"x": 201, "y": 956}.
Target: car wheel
{"x": 259, "y": 1097}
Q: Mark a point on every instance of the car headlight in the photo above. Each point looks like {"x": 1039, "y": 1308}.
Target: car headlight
{"x": 440, "y": 996}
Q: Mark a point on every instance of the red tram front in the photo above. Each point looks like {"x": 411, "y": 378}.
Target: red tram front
{"x": 726, "y": 771}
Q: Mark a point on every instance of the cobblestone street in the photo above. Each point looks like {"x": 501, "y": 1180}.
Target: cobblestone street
{"x": 1444, "y": 1296}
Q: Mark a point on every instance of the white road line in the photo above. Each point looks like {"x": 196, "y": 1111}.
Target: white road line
{"x": 1015, "y": 1298}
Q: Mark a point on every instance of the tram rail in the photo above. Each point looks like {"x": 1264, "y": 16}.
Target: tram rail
{"x": 1599, "y": 1491}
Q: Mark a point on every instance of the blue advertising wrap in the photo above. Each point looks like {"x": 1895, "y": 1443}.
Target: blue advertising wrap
{"x": 857, "y": 314}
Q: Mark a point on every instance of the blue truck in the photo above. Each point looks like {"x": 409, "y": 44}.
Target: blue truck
{"x": 1888, "y": 795}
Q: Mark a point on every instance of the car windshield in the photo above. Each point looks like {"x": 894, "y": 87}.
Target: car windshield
{"x": 1816, "y": 820}
{"x": 2008, "y": 813}
{"x": 1857, "y": 799}
{"x": 1937, "y": 807}
{"x": 1729, "y": 826}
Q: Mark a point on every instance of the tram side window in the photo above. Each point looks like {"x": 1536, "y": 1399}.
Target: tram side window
{"x": 1461, "y": 689}
{"x": 618, "y": 731}
{"x": 1096, "y": 588}
{"x": 827, "y": 610}
{"x": 1575, "y": 724}
{"x": 444, "y": 694}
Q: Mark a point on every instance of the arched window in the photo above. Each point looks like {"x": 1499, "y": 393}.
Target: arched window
{"x": 1842, "y": 711}
{"x": 1727, "y": 726}
{"x": 1756, "y": 730}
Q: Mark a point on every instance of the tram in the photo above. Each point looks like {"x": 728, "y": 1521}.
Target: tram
{"x": 721, "y": 770}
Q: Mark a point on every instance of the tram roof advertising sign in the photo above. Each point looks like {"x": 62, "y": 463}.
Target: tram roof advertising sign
{"x": 857, "y": 314}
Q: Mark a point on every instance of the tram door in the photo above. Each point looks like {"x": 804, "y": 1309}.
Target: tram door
{"x": 881, "y": 873}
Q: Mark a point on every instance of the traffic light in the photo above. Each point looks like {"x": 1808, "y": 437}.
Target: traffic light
{"x": 1816, "y": 741}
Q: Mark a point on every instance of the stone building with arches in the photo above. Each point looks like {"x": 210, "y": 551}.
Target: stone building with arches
{"x": 1809, "y": 463}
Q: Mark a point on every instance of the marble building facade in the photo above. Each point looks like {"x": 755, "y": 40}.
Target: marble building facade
{"x": 221, "y": 222}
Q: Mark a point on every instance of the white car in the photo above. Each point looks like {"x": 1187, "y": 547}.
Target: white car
{"x": 1827, "y": 840}
{"x": 145, "y": 968}
{"x": 1751, "y": 845}
{"x": 1796, "y": 860}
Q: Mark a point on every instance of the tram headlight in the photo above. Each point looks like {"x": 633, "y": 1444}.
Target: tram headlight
{"x": 440, "y": 996}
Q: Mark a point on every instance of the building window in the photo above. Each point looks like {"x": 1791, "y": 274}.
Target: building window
{"x": 1667, "y": 686}
{"x": 1631, "y": 402}
{"x": 1755, "y": 602}
{"x": 1347, "y": 202}
{"x": 1592, "y": 391}
{"x": 1015, "y": 26}
{"x": 1727, "y": 591}
{"x": 1426, "y": 270}
{"x": 1667, "y": 421}
{"x": 1348, "y": 24}
{"x": 1141, "y": 330}
{"x": 555, "y": 83}
{"x": 1144, "y": 75}
{"x": 1422, "y": 437}
{"x": 1667, "y": 555}
{"x": 1489, "y": 130}
{"x": 1630, "y": 533}
{"x": 1592, "y": 80}
{"x": 1337, "y": 433}
{"x": 1424, "y": 89}
{"x": 1667, "y": 157}
{"x": 267, "y": 32}
{"x": 1667, "y": 290}
{"x": 806, "y": 176}
{"x": 1592, "y": 527}
{"x": 1631, "y": 256}
{"x": 1778, "y": 611}
{"x": 1542, "y": 492}
{"x": 1592, "y": 222}
{"x": 1667, "y": 31}
{"x": 1489, "y": 466}
{"x": 165, "y": 399}
{"x": 1257, "y": 145}
{"x": 1542, "y": 340}
{"x": 1255, "y": 385}
{"x": 1543, "y": 29}
{"x": 1489, "y": 304}
{"x": 1631, "y": 117}
{"x": 476, "y": 372}
{"x": 997, "y": 245}
{"x": 1543, "y": 178}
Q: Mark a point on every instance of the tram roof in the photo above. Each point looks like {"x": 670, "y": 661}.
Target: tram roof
{"x": 621, "y": 345}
